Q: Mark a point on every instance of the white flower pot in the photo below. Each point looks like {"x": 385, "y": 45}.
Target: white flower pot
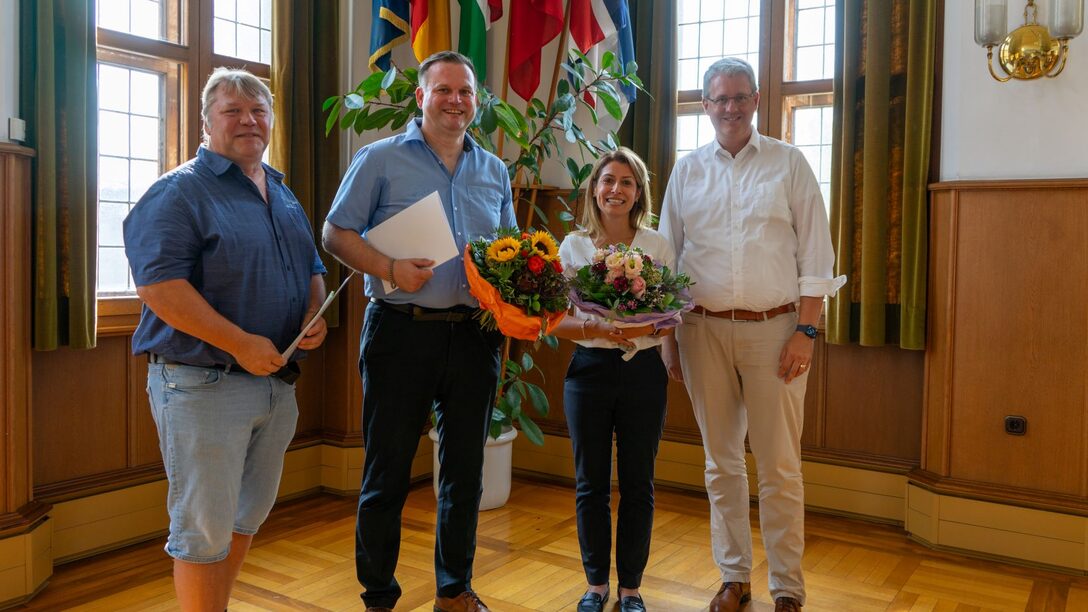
{"x": 498, "y": 466}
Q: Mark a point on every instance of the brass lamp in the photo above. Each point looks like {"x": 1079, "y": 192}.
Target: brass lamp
{"x": 1032, "y": 50}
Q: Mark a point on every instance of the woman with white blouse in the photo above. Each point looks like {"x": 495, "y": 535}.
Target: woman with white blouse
{"x": 615, "y": 384}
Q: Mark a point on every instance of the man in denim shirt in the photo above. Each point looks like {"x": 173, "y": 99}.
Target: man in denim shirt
{"x": 225, "y": 262}
{"x": 420, "y": 347}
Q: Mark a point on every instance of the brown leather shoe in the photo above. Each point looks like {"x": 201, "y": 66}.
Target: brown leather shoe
{"x": 379, "y": 609}
{"x": 465, "y": 602}
{"x": 732, "y": 597}
{"x": 787, "y": 604}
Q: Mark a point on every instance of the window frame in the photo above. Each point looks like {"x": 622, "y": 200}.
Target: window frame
{"x": 776, "y": 27}
{"x": 185, "y": 55}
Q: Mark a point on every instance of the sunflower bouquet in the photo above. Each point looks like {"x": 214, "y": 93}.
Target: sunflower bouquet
{"x": 518, "y": 279}
{"x": 630, "y": 288}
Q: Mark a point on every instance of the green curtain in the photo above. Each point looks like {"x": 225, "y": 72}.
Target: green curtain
{"x": 305, "y": 71}
{"x": 650, "y": 126}
{"x": 883, "y": 116}
{"x": 59, "y": 99}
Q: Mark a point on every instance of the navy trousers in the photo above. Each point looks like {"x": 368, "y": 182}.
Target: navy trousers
{"x": 605, "y": 395}
{"x": 409, "y": 367}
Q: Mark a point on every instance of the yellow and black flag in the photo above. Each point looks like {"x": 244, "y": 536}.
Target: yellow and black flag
{"x": 389, "y": 28}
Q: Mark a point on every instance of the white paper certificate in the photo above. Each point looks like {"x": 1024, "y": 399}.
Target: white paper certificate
{"x": 419, "y": 231}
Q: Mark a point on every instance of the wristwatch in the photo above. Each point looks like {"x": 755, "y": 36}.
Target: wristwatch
{"x": 807, "y": 330}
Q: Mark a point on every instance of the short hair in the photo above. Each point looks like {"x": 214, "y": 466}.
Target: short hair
{"x": 444, "y": 57}
{"x": 639, "y": 217}
{"x": 729, "y": 66}
{"x": 233, "y": 80}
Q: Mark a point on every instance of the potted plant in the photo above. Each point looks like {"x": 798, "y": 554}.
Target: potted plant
{"x": 388, "y": 99}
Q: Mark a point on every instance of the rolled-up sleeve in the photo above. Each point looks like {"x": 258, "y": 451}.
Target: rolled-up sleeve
{"x": 815, "y": 254}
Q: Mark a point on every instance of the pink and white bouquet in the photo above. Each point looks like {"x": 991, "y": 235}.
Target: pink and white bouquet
{"x": 630, "y": 288}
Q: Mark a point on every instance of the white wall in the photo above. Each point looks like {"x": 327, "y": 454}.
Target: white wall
{"x": 9, "y": 64}
{"x": 1014, "y": 130}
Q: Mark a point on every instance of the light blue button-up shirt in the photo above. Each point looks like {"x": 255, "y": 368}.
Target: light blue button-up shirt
{"x": 390, "y": 175}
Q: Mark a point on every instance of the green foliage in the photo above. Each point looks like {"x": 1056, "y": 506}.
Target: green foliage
{"x": 387, "y": 99}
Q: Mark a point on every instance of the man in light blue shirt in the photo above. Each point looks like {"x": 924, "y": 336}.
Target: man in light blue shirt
{"x": 420, "y": 346}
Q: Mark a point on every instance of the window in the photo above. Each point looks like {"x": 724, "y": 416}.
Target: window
{"x": 153, "y": 59}
{"x": 791, "y": 46}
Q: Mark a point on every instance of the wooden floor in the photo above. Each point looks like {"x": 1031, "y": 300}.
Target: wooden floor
{"x": 527, "y": 559}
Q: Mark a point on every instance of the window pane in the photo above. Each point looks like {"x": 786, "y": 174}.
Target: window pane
{"x": 249, "y": 12}
{"x": 689, "y": 77}
{"x": 810, "y": 130}
{"x": 138, "y": 17}
{"x": 689, "y": 41}
{"x": 710, "y": 39}
{"x": 224, "y": 37}
{"x": 813, "y": 46}
{"x": 129, "y": 159}
{"x": 692, "y": 132}
{"x": 243, "y": 29}
{"x": 689, "y": 11}
{"x": 146, "y": 18}
{"x": 112, "y": 88}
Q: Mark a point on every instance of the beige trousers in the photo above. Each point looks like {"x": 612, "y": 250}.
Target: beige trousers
{"x": 731, "y": 373}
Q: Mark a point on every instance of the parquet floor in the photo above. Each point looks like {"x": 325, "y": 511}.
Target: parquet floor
{"x": 527, "y": 559}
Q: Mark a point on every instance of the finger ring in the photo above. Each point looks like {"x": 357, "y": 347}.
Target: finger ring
{"x": 804, "y": 365}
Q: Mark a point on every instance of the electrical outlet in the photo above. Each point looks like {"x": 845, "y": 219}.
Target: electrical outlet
{"x": 1016, "y": 425}
{"x": 16, "y": 129}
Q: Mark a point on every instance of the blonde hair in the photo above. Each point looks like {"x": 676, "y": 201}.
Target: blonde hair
{"x": 233, "y": 80}
{"x": 639, "y": 217}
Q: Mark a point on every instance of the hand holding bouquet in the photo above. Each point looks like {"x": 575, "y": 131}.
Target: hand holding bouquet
{"x": 628, "y": 287}
{"x": 518, "y": 279}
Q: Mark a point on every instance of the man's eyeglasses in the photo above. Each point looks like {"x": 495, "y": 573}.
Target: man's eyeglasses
{"x": 723, "y": 101}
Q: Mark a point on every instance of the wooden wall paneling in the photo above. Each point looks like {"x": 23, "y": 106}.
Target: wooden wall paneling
{"x": 343, "y": 392}
{"x": 1021, "y": 338}
{"x": 873, "y": 401}
{"x": 310, "y": 395}
{"x": 815, "y": 423}
{"x": 937, "y": 409}
{"x": 143, "y": 437}
{"x": 1008, "y": 335}
{"x": 80, "y": 412}
{"x": 17, "y": 508}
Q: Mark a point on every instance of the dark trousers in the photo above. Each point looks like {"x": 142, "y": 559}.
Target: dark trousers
{"x": 602, "y": 395}
{"x": 408, "y": 368}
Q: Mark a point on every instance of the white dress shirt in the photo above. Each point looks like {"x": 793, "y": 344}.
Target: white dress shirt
{"x": 751, "y": 230}
{"x": 577, "y": 250}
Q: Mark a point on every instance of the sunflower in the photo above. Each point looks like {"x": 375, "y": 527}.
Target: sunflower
{"x": 544, "y": 244}
{"x": 503, "y": 249}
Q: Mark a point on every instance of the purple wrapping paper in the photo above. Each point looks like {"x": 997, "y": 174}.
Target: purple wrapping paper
{"x": 660, "y": 320}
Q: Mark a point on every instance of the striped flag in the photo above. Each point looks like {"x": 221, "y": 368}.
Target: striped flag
{"x": 476, "y": 19}
{"x": 533, "y": 24}
{"x": 597, "y": 26}
{"x": 430, "y": 27}
{"x": 388, "y": 28}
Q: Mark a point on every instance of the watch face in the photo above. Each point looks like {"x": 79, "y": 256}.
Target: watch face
{"x": 807, "y": 330}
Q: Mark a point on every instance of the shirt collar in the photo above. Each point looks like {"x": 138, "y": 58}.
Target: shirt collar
{"x": 415, "y": 132}
{"x": 219, "y": 164}
{"x": 755, "y": 141}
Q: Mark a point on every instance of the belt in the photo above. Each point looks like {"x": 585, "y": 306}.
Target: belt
{"x": 457, "y": 314}
{"x": 288, "y": 373}
{"x": 745, "y": 315}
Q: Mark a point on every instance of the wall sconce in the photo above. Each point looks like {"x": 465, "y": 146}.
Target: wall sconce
{"x": 1032, "y": 50}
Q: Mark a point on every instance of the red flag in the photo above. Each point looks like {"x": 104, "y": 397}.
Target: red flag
{"x": 533, "y": 24}
{"x": 496, "y": 9}
{"x": 585, "y": 25}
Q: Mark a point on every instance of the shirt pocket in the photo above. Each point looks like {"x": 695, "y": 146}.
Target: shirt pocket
{"x": 769, "y": 201}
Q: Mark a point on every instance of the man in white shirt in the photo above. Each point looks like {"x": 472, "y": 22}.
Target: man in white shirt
{"x": 746, "y": 218}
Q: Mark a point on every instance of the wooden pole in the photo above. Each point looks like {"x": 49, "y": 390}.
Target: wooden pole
{"x": 505, "y": 83}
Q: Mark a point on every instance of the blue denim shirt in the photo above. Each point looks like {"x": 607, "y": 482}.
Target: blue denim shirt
{"x": 205, "y": 222}
{"x": 390, "y": 175}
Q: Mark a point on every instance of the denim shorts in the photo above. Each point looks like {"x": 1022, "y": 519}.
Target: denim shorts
{"x": 222, "y": 436}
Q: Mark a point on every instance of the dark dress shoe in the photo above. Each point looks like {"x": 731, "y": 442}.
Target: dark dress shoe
{"x": 465, "y": 602}
{"x": 592, "y": 602}
{"x": 632, "y": 603}
{"x": 787, "y": 604}
{"x": 732, "y": 597}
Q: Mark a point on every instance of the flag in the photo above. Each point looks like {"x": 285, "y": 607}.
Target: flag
{"x": 388, "y": 28}
{"x": 625, "y": 39}
{"x": 430, "y": 27}
{"x": 590, "y": 23}
{"x": 533, "y": 24}
{"x": 476, "y": 19}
